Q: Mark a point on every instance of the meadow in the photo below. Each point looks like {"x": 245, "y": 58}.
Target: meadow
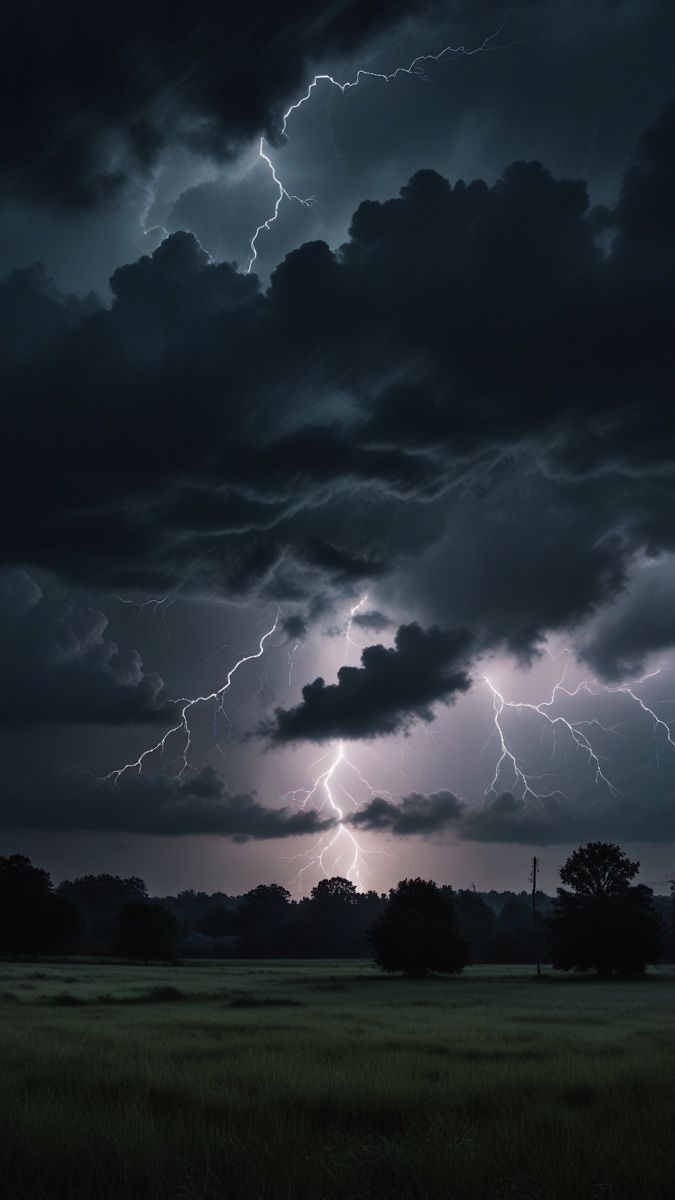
{"x": 280, "y": 1080}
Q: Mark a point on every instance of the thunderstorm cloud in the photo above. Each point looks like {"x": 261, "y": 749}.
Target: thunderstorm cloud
{"x": 199, "y": 803}
{"x": 392, "y": 688}
{"x": 100, "y": 91}
{"x": 414, "y": 814}
{"x": 485, "y": 417}
{"x": 437, "y": 412}
{"x": 59, "y": 665}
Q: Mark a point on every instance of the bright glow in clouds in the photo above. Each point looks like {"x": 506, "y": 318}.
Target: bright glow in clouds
{"x": 416, "y": 68}
{"x": 339, "y": 851}
{"x": 552, "y": 735}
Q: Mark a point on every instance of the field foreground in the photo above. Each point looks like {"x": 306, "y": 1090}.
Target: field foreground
{"x": 324, "y": 1079}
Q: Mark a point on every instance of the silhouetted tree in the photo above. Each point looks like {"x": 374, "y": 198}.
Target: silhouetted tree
{"x": 191, "y": 907}
{"x": 263, "y": 921}
{"x": 418, "y": 931}
{"x": 33, "y": 919}
{"x": 605, "y": 924}
{"x": 146, "y": 931}
{"x": 329, "y": 919}
{"x": 477, "y": 922}
{"x": 99, "y": 898}
{"x": 218, "y": 921}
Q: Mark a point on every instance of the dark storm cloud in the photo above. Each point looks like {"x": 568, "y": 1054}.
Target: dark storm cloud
{"x": 392, "y": 688}
{"x": 480, "y": 380}
{"x": 98, "y": 91}
{"x": 556, "y": 820}
{"x": 294, "y": 627}
{"x": 199, "y": 803}
{"x": 373, "y": 620}
{"x": 57, "y": 664}
{"x": 507, "y": 819}
{"x": 415, "y": 814}
{"x": 618, "y": 643}
{"x": 339, "y": 564}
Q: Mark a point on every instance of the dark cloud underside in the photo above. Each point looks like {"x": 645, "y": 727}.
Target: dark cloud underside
{"x": 507, "y": 354}
{"x": 198, "y": 803}
{"x": 390, "y": 689}
{"x": 99, "y": 91}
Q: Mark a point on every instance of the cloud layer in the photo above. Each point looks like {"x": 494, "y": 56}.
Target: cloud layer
{"x": 392, "y": 688}
{"x": 58, "y": 664}
{"x": 415, "y": 814}
{"x": 100, "y": 92}
{"x": 198, "y": 803}
{"x": 496, "y": 361}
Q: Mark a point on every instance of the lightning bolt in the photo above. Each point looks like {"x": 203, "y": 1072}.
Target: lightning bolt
{"x": 339, "y": 849}
{"x": 626, "y": 689}
{"x": 158, "y": 604}
{"x": 348, "y": 628}
{"x": 183, "y": 725}
{"x": 292, "y": 651}
{"x": 416, "y": 68}
{"x": 524, "y": 780}
{"x": 282, "y": 194}
{"x": 530, "y": 785}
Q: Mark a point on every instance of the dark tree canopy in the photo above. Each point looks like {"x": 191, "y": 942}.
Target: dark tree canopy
{"x": 477, "y": 922}
{"x": 513, "y": 940}
{"x": 598, "y": 869}
{"x": 262, "y": 920}
{"x": 418, "y": 931}
{"x": 605, "y": 924}
{"x": 33, "y": 919}
{"x": 146, "y": 931}
{"x": 99, "y": 899}
{"x": 335, "y": 890}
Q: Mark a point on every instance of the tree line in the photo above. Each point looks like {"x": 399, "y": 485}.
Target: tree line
{"x": 599, "y": 920}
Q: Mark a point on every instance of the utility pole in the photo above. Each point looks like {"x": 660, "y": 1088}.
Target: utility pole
{"x": 535, "y": 939}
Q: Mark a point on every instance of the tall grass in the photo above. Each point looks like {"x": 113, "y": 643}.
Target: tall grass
{"x": 289, "y": 1080}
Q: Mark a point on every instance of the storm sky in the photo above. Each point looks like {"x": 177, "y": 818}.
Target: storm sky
{"x": 423, "y": 449}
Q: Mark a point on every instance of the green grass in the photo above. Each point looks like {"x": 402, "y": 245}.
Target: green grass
{"x": 311, "y": 1080}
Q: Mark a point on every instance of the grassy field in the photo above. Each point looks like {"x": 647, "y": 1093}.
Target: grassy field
{"x": 312, "y": 1080}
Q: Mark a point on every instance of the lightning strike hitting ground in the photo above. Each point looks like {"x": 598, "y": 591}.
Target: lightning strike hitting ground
{"x": 415, "y": 68}
{"x": 337, "y": 850}
{"x": 183, "y": 725}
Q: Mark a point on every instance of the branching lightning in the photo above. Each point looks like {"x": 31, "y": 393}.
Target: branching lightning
{"x": 339, "y": 849}
{"x": 282, "y": 194}
{"x": 531, "y": 787}
{"x": 657, "y": 723}
{"x": 183, "y": 726}
{"x": 415, "y": 68}
{"x": 155, "y": 604}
